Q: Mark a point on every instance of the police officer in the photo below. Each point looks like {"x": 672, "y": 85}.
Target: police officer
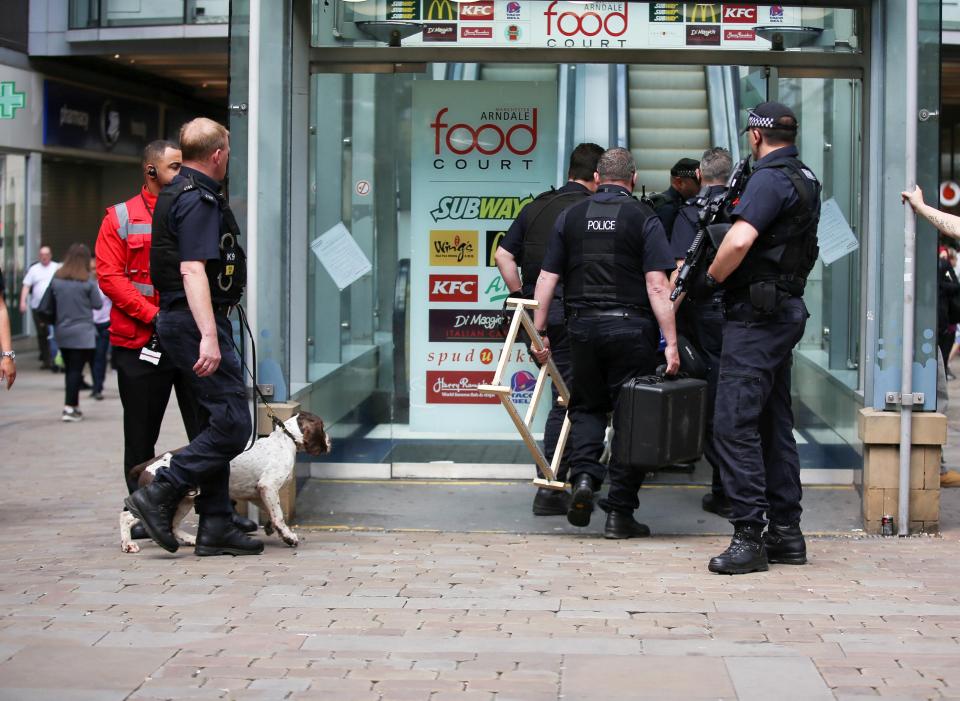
{"x": 612, "y": 254}
{"x": 199, "y": 269}
{"x": 763, "y": 264}
{"x": 520, "y": 252}
{"x": 700, "y": 316}
{"x": 684, "y": 184}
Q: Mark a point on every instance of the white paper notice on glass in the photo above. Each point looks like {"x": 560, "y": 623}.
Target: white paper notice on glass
{"x": 834, "y": 235}
{"x": 339, "y": 253}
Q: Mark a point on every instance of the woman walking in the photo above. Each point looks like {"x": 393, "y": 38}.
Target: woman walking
{"x": 75, "y": 297}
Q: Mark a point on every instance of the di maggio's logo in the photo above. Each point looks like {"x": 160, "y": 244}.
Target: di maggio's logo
{"x": 606, "y": 20}
{"x": 491, "y": 208}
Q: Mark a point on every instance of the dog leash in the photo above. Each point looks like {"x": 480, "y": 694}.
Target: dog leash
{"x": 277, "y": 421}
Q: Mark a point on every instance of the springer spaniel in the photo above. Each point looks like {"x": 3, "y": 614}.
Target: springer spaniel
{"x": 255, "y": 475}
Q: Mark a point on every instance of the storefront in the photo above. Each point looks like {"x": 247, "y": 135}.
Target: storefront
{"x": 390, "y": 144}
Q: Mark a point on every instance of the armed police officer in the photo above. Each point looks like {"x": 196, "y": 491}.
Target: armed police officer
{"x": 612, "y": 254}
{"x": 763, "y": 263}
{"x": 700, "y": 316}
{"x": 525, "y": 243}
{"x": 684, "y": 184}
{"x": 199, "y": 270}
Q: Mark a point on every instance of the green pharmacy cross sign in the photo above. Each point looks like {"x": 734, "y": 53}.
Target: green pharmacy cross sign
{"x": 10, "y": 100}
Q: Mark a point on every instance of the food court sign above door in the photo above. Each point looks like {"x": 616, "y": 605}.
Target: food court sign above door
{"x": 605, "y": 25}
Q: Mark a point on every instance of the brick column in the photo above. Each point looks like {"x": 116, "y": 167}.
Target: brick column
{"x": 880, "y": 480}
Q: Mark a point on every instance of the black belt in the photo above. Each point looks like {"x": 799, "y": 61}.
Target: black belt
{"x": 619, "y": 312}
{"x": 218, "y": 309}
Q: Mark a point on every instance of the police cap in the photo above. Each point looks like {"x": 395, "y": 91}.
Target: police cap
{"x": 771, "y": 115}
{"x": 685, "y": 168}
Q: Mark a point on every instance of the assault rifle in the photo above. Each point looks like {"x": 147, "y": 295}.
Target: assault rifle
{"x": 710, "y": 210}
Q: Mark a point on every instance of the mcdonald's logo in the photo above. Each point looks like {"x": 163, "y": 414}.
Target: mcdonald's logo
{"x": 441, "y": 10}
{"x": 702, "y": 12}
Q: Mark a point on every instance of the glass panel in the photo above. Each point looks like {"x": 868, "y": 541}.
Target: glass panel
{"x": 13, "y": 230}
{"x": 951, "y": 15}
{"x": 132, "y": 13}
{"x": 610, "y": 25}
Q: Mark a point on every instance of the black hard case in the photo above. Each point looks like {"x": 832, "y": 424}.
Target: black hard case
{"x": 660, "y": 421}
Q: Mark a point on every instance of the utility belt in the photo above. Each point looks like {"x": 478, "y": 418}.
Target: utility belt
{"x": 181, "y": 304}
{"x": 617, "y": 312}
{"x": 757, "y": 302}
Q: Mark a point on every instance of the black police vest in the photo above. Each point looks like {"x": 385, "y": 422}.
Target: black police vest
{"x": 542, "y": 214}
{"x": 227, "y": 275}
{"x": 600, "y": 269}
{"x": 786, "y": 252}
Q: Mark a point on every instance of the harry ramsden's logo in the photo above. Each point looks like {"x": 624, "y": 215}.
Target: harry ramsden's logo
{"x": 441, "y": 10}
{"x": 491, "y": 208}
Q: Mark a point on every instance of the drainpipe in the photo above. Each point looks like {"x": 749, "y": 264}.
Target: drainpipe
{"x": 909, "y": 269}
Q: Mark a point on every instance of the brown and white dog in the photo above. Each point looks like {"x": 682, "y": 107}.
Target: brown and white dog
{"x": 255, "y": 475}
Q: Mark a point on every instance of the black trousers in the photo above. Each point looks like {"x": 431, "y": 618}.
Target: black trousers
{"x": 205, "y": 462}
{"x": 703, "y": 326}
{"x": 753, "y": 427}
{"x": 144, "y": 392}
{"x": 43, "y": 342}
{"x": 606, "y": 352}
{"x": 74, "y": 360}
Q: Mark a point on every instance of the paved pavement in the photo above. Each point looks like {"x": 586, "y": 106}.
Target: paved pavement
{"x": 434, "y": 616}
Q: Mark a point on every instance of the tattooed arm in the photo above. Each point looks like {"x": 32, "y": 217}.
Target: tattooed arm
{"x": 947, "y": 224}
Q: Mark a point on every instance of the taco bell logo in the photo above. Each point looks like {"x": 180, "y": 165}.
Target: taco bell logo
{"x": 513, "y": 10}
{"x": 522, "y": 385}
{"x": 776, "y": 13}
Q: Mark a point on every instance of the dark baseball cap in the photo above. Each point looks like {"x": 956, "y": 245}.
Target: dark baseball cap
{"x": 685, "y": 168}
{"x": 771, "y": 115}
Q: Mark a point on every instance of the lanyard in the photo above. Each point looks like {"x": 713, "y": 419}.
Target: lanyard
{"x": 146, "y": 204}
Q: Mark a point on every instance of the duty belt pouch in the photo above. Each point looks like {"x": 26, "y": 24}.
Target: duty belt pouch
{"x": 658, "y": 422}
{"x": 764, "y": 297}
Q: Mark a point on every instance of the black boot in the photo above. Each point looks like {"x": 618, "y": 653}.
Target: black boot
{"x": 581, "y": 504}
{"x": 621, "y": 525}
{"x": 551, "y": 502}
{"x": 242, "y": 522}
{"x": 785, "y": 545}
{"x": 744, "y": 554}
{"x": 155, "y": 506}
{"x": 138, "y": 532}
{"x": 717, "y": 504}
{"x": 216, "y": 535}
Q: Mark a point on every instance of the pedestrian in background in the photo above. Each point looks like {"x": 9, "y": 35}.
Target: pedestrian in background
{"x": 74, "y": 297}
{"x": 8, "y": 365}
{"x": 35, "y": 284}
{"x": 101, "y": 320}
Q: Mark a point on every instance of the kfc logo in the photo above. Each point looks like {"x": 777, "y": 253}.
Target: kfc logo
{"x": 476, "y": 11}
{"x": 476, "y": 32}
{"x": 453, "y": 288}
{"x": 740, "y": 14}
{"x": 487, "y": 137}
{"x": 739, "y": 35}
{"x": 610, "y": 19}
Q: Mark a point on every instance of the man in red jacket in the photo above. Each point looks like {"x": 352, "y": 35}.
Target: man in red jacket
{"x": 145, "y": 375}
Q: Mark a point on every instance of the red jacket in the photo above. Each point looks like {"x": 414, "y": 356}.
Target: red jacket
{"x": 123, "y": 269}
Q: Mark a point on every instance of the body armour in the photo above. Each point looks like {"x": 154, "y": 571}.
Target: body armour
{"x": 786, "y": 252}
{"x": 542, "y": 215}
{"x": 227, "y": 275}
{"x": 600, "y": 270}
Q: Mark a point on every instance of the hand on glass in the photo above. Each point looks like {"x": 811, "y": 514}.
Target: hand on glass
{"x": 914, "y": 199}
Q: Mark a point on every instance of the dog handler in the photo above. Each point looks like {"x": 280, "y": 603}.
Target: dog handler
{"x": 199, "y": 270}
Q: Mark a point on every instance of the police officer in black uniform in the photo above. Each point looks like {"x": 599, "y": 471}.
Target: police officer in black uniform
{"x": 612, "y": 254}
{"x": 199, "y": 269}
{"x": 684, "y": 184}
{"x": 700, "y": 316}
{"x": 763, "y": 264}
{"x": 524, "y": 245}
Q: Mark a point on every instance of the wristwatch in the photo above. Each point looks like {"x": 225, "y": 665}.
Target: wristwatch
{"x": 8, "y": 354}
{"x": 711, "y": 281}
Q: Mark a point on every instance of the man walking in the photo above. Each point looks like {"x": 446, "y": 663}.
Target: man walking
{"x": 35, "y": 283}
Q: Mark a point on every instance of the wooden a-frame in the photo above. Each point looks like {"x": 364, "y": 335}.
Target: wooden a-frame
{"x": 522, "y": 424}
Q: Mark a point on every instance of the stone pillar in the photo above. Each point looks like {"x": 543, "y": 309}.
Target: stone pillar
{"x": 880, "y": 480}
